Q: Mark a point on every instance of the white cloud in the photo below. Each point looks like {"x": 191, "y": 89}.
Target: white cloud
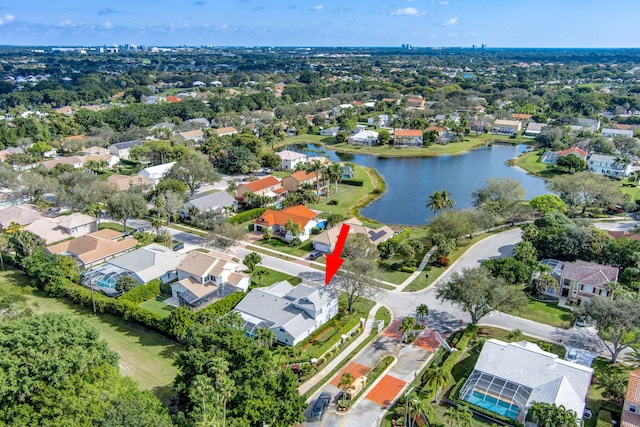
{"x": 444, "y": 2}
{"x": 107, "y": 25}
{"x": 450, "y": 22}
{"x": 410, "y": 11}
{"x": 66, "y": 23}
{"x": 6, "y": 19}
{"x": 318, "y": 7}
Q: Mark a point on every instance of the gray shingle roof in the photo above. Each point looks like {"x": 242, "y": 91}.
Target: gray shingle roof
{"x": 211, "y": 201}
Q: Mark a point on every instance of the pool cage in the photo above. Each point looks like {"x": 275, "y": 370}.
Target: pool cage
{"x": 104, "y": 277}
{"x": 496, "y": 394}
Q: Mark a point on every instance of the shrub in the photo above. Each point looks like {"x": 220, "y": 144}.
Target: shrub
{"x": 353, "y": 181}
{"x": 442, "y": 261}
{"x": 408, "y": 269}
{"x": 246, "y": 216}
{"x": 223, "y": 305}
{"x": 143, "y": 293}
{"x": 333, "y": 202}
{"x": 604, "y": 418}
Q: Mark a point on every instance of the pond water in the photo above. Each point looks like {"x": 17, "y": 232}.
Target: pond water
{"x": 411, "y": 180}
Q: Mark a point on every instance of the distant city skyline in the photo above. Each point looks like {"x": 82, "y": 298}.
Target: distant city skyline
{"x": 442, "y": 23}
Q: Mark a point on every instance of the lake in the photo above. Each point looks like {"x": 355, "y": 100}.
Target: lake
{"x": 410, "y": 180}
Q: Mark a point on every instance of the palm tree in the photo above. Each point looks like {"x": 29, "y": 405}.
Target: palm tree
{"x": 459, "y": 416}
{"x": 265, "y": 337}
{"x": 436, "y": 379}
{"x": 13, "y": 227}
{"x": 315, "y": 166}
{"x": 260, "y": 273}
{"x": 422, "y": 311}
{"x": 408, "y": 325}
{"x": 633, "y": 357}
{"x": 156, "y": 222}
{"x": 439, "y": 201}
{"x": 293, "y": 228}
{"x": 334, "y": 173}
{"x": 514, "y": 335}
{"x": 346, "y": 380}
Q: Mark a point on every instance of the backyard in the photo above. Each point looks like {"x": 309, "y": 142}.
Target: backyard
{"x": 145, "y": 356}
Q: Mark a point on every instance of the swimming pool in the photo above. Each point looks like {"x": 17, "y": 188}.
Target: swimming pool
{"x": 494, "y": 405}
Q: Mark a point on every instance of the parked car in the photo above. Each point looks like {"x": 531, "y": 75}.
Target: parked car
{"x": 321, "y": 405}
{"x": 315, "y": 254}
{"x": 178, "y": 246}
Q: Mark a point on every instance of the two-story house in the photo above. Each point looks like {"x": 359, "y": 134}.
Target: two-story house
{"x": 289, "y": 160}
{"x": 296, "y": 179}
{"x": 365, "y": 137}
{"x": 267, "y": 186}
{"x": 203, "y": 277}
{"x": 580, "y": 279}
{"x": 292, "y": 313}
{"x": 121, "y": 149}
{"x": 407, "y": 138}
{"x": 606, "y": 164}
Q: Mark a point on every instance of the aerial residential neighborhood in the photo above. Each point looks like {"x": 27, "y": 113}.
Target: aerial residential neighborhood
{"x": 221, "y": 221}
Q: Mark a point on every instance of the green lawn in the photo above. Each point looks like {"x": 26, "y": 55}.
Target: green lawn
{"x": 272, "y": 277}
{"x": 383, "y": 314}
{"x": 145, "y": 356}
{"x": 111, "y": 225}
{"x": 547, "y": 313}
{"x": 284, "y": 247}
{"x": 157, "y": 306}
{"x": 595, "y": 397}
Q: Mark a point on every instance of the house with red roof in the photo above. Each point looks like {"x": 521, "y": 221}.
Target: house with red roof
{"x": 580, "y": 280}
{"x": 266, "y": 186}
{"x": 553, "y": 156}
{"x": 299, "y": 178}
{"x": 277, "y": 220}
{"x": 631, "y": 408}
{"x": 407, "y": 138}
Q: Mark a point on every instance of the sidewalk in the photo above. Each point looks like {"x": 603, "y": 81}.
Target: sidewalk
{"x": 320, "y": 376}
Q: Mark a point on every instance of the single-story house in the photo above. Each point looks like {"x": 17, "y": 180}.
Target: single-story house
{"x": 326, "y": 241}
{"x": 521, "y": 117}
{"x": 203, "y": 277}
{"x": 121, "y": 149}
{"x": 305, "y": 218}
{"x": 534, "y": 129}
{"x": 156, "y": 173}
{"x": 553, "y": 156}
{"x": 198, "y": 121}
{"x": 75, "y": 161}
{"x": 366, "y": 137}
{"x": 296, "y": 179}
{"x": 606, "y": 164}
{"x": 22, "y": 215}
{"x": 211, "y": 202}
{"x": 62, "y": 227}
{"x": 407, "y": 138}
{"x": 612, "y": 133}
{"x": 229, "y": 130}
{"x": 509, "y": 377}
{"x": 415, "y": 102}
{"x": 145, "y": 264}
{"x": 631, "y": 407}
{"x": 580, "y": 279}
{"x": 290, "y": 159}
{"x": 292, "y": 313}
{"x": 125, "y": 182}
{"x": 196, "y": 135}
{"x": 332, "y": 131}
{"x": 266, "y": 186}
{"x": 94, "y": 248}
{"x": 590, "y": 125}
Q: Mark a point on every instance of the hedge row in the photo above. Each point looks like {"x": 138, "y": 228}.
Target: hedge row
{"x": 400, "y": 236}
{"x": 462, "y": 345}
{"x": 353, "y": 181}
{"x": 143, "y": 293}
{"x": 223, "y": 305}
{"x": 246, "y": 216}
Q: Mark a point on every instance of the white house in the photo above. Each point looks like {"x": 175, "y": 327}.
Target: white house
{"x": 121, "y": 149}
{"x": 612, "y": 133}
{"x": 605, "y": 164}
{"x": 381, "y": 120}
{"x": 326, "y": 241}
{"x": 366, "y": 137}
{"x": 211, "y": 202}
{"x": 290, "y": 159}
{"x": 333, "y": 131}
{"x": 292, "y": 313}
{"x": 301, "y": 216}
{"x": 202, "y": 277}
{"x": 509, "y": 377}
{"x": 155, "y": 173}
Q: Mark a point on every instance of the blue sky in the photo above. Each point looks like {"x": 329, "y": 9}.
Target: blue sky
{"x": 498, "y": 23}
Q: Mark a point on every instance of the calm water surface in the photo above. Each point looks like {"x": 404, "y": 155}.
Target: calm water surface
{"x": 410, "y": 180}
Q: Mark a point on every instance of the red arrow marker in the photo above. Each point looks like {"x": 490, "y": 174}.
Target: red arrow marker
{"x": 333, "y": 259}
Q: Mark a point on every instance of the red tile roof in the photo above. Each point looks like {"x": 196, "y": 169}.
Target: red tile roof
{"x": 519, "y": 116}
{"x": 407, "y": 132}
{"x": 298, "y": 214}
{"x": 573, "y": 150}
{"x": 302, "y": 176}
{"x": 172, "y": 98}
{"x": 633, "y": 388}
{"x": 261, "y": 184}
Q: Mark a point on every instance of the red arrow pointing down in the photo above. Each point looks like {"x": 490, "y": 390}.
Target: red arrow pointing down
{"x": 333, "y": 259}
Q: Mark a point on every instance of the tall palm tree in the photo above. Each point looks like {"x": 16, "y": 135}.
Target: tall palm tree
{"x": 436, "y": 379}
{"x": 334, "y": 174}
{"x": 422, "y": 311}
{"x": 439, "y": 201}
{"x": 265, "y": 336}
{"x": 315, "y": 166}
{"x": 156, "y": 222}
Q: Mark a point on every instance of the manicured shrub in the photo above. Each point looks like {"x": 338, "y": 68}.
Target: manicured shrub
{"x": 143, "y": 293}
{"x": 246, "y": 216}
{"x": 353, "y": 181}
